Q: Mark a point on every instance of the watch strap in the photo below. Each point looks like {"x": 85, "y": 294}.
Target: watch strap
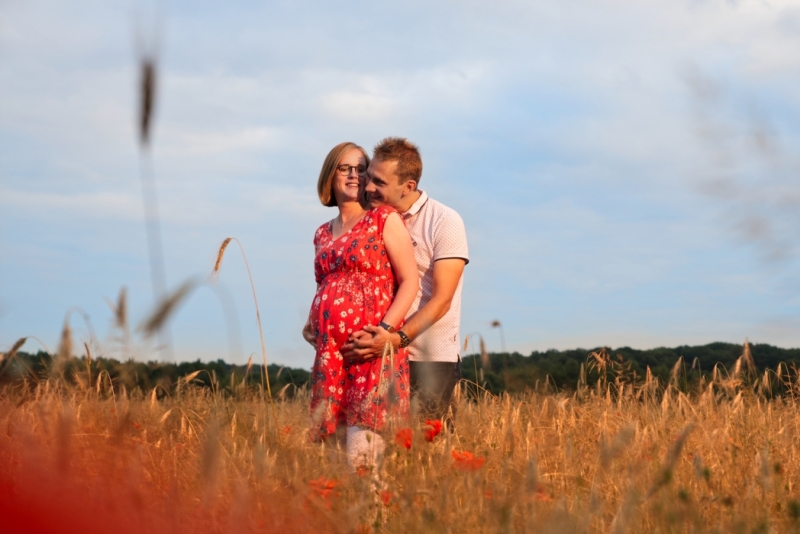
{"x": 404, "y": 339}
{"x": 386, "y": 326}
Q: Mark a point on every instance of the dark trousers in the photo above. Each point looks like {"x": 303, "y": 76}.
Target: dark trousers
{"x": 432, "y": 385}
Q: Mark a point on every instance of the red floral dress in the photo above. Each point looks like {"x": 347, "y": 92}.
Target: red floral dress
{"x": 356, "y": 287}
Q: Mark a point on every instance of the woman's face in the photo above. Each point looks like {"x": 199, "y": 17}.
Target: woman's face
{"x": 349, "y": 185}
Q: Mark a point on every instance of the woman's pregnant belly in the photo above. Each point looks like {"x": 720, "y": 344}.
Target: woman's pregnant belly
{"x": 347, "y": 302}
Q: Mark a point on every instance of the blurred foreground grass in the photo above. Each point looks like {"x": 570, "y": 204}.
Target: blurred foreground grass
{"x": 614, "y": 458}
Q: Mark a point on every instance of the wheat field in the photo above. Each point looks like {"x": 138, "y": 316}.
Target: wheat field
{"x": 612, "y": 458}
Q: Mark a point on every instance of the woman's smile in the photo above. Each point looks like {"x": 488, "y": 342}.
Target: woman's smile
{"x": 347, "y": 180}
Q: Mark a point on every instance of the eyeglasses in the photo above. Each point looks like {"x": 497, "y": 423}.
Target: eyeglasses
{"x": 344, "y": 170}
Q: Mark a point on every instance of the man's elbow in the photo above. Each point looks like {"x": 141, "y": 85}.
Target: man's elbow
{"x": 443, "y": 308}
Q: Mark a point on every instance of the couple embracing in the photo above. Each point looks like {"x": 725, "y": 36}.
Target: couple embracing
{"x": 388, "y": 271}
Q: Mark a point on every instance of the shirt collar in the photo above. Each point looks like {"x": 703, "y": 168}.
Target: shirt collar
{"x": 416, "y": 206}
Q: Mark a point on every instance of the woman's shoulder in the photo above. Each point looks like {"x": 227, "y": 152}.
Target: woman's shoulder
{"x": 377, "y": 217}
{"x": 323, "y": 229}
{"x": 382, "y": 211}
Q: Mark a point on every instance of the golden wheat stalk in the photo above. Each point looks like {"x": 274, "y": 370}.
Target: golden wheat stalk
{"x": 166, "y": 307}
{"x": 6, "y": 358}
{"x": 88, "y": 363}
{"x": 120, "y": 312}
{"x": 147, "y": 97}
{"x": 265, "y": 371}
{"x": 674, "y": 375}
{"x": 747, "y": 358}
{"x": 247, "y": 372}
{"x": 15, "y": 348}
{"x": 486, "y": 362}
{"x": 665, "y": 474}
{"x": 383, "y": 389}
{"x": 220, "y": 254}
{"x": 65, "y": 344}
{"x": 148, "y": 76}
{"x": 18, "y": 345}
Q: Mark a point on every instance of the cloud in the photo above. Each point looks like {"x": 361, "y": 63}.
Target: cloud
{"x": 414, "y": 91}
{"x": 564, "y": 131}
{"x": 357, "y": 106}
{"x": 189, "y": 142}
{"x": 99, "y": 205}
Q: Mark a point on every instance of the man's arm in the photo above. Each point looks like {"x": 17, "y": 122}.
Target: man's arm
{"x": 446, "y": 275}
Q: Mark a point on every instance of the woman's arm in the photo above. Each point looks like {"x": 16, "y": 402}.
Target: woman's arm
{"x": 308, "y": 331}
{"x": 401, "y": 256}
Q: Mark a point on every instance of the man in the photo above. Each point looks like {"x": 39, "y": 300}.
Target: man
{"x": 440, "y": 248}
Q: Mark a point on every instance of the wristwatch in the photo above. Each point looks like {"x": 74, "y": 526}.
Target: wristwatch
{"x": 389, "y": 328}
{"x": 404, "y": 339}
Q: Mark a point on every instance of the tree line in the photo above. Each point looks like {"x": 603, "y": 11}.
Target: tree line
{"x": 496, "y": 372}
{"x": 562, "y": 369}
{"x": 26, "y": 370}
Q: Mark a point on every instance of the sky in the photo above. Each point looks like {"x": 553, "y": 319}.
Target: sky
{"x": 627, "y": 171}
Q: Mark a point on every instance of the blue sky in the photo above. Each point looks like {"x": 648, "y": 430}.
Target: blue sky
{"x": 627, "y": 171}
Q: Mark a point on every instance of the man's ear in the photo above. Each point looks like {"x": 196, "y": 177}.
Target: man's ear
{"x": 409, "y": 186}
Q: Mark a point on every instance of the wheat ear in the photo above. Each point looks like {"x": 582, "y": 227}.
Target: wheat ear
{"x": 265, "y": 372}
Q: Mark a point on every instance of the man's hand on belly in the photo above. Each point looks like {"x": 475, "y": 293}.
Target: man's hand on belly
{"x": 368, "y": 343}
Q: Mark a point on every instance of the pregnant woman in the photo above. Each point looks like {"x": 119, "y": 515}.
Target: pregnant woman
{"x": 366, "y": 275}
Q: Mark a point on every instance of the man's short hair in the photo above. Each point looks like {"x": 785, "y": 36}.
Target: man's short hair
{"x": 328, "y": 172}
{"x": 405, "y": 153}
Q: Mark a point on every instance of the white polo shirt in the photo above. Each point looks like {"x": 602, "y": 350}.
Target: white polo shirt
{"x": 437, "y": 233}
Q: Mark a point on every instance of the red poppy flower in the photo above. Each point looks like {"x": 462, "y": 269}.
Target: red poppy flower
{"x": 287, "y": 429}
{"x": 541, "y": 494}
{"x": 404, "y": 437}
{"x": 136, "y": 425}
{"x": 325, "y": 488}
{"x": 432, "y": 429}
{"x": 386, "y": 497}
{"x": 466, "y": 461}
{"x": 362, "y": 470}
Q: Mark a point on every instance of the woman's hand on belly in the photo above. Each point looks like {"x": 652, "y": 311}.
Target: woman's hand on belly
{"x": 308, "y": 334}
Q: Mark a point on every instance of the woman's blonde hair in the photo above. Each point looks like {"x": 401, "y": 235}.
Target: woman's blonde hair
{"x": 328, "y": 172}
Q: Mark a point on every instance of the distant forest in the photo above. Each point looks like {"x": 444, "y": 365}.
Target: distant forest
{"x": 496, "y": 372}
{"x": 562, "y": 368}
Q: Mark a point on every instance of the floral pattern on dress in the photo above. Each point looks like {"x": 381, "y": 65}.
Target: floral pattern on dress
{"x": 356, "y": 287}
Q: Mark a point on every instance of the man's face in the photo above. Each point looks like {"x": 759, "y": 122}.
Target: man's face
{"x": 383, "y": 185}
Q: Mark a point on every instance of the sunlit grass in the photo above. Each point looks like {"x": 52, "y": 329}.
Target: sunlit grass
{"x": 606, "y": 459}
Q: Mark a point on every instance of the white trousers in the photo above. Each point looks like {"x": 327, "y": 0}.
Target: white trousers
{"x": 364, "y": 448}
